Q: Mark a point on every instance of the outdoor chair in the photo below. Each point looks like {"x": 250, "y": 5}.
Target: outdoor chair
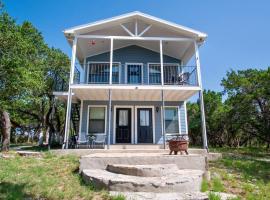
{"x": 183, "y": 78}
{"x": 82, "y": 140}
{"x": 99, "y": 139}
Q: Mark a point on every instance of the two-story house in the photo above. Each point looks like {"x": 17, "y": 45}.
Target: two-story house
{"x": 134, "y": 79}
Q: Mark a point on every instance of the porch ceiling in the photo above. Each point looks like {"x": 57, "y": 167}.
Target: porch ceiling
{"x": 130, "y": 94}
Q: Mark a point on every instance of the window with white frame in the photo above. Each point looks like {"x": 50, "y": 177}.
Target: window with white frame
{"x": 170, "y": 73}
{"x": 171, "y": 120}
{"x": 96, "y": 123}
{"x": 100, "y": 73}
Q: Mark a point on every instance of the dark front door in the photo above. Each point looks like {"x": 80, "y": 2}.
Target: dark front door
{"x": 123, "y": 125}
{"x": 144, "y": 125}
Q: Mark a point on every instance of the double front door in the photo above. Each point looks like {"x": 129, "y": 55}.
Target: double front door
{"x": 144, "y": 125}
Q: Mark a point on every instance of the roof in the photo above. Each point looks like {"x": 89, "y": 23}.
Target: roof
{"x": 136, "y": 14}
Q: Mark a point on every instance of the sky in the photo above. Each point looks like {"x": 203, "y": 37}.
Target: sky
{"x": 238, "y": 31}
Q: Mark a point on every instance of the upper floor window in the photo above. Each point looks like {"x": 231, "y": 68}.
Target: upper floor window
{"x": 170, "y": 73}
{"x": 100, "y": 73}
{"x": 134, "y": 73}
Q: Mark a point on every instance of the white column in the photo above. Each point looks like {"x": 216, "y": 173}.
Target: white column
{"x": 109, "y": 121}
{"x": 161, "y": 62}
{"x": 69, "y": 100}
{"x": 203, "y": 124}
{"x": 163, "y": 120}
{"x": 111, "y": 60}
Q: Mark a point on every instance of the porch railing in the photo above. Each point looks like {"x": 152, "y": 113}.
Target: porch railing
{"x": 131, "y": 74}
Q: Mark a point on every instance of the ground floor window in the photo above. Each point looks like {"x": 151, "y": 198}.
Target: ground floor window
{"x": 171, "y": 120}
{"x": 97, "y": 120}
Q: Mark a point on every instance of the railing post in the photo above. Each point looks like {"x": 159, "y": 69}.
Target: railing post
{"x": 69, "y": 100}
{"x": 111, "y": 61}
{"x": 203, "y": 123}
{"x": 161, "y": 62}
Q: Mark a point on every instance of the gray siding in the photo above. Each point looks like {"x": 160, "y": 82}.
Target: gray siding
{"x": 132, "y": 54}
{"x": 157, "y": 115}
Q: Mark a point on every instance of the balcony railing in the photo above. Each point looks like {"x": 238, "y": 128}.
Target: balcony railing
{"x": 133, "y": 74}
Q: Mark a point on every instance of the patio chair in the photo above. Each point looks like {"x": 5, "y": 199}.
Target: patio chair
{"x": 82, "y": 140}
{"x": 99, "y": 139}
{"x": 183, "y": 78}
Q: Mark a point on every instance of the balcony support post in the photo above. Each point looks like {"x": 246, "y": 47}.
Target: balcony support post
{"x": 69, "y": 100}
{"x": 163, "y": 119}
{"x": 109, "y": 120}
{"x": 161, "y": 62}
{"x": 111, "y": 61}
{"x": 203, "y": 123}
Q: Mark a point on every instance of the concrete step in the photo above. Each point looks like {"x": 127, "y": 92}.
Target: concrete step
{"x": 161, "y": 196}
{"x": 143, "y": 170}
{"x": 179, "y": 181}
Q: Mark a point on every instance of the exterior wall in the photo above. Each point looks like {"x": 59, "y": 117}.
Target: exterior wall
{"x": 157, "y": 115}
{"x": 131, "y": 54}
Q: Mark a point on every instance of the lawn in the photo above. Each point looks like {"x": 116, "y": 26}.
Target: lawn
{"x": 50, "y": 177}
{"x": 244, "y": 172}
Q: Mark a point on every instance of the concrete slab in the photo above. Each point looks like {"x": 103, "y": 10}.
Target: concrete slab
{"x": 101, "y": 160}
{"x": 179, "y": 181}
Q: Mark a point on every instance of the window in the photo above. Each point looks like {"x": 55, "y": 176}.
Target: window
{"x": 100, "y": 73}
{"x": 144, "y": 117}
{"x": 154, "y": 74}
{"x": 96, "y": 120}
{"x": 171, "y": 120}
{"x": 134, "y": 73}
{"x": 123, "y": 118}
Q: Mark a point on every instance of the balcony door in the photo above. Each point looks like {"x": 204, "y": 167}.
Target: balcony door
{"x": 134, "y": 73}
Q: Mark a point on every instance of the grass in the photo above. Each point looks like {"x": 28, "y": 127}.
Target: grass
{"x": 51, "y": 178}
{"x": 244, "y": 172}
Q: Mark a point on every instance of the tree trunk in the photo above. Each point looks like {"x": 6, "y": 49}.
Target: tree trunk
{"x": 6, "y": 127}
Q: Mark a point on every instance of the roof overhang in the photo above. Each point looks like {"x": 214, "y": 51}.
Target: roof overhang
{"x": 140, "y": 26}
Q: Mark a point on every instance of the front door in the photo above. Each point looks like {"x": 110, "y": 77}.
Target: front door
{"x": 144, "y": 125}
{"x": 123, "y": 125}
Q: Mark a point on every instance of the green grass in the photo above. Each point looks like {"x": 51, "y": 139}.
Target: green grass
{"x": 51, "y": 178}
{"x": 204, "y": 186}
{"x": 213, "y": 196}
{"x": 244, "y": 172}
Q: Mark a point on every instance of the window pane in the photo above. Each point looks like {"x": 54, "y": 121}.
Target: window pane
{"x": 154, "y": 74}
{"x": 171, "y": 120}
{"x": 144, "y": 117}
{"x": 96, "y": 120}
{"x": 123, "y": 118}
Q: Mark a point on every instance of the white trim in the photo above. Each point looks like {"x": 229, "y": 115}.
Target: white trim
{"x": 133, "y": 87}
{"x": 185, "y": 107}
{"x": 136, "y": 27}
{"x": 126, "y": 72}
{"x": 102, "y": 62}
{"x": 111, "y": 62}
{"x": 81, "y": 113}
{"x": 126, "y": 29}
{"x": 164, "y": 65}
{"x": 145, "y": 30}
{"x": 175, "y": 39}
{"x": 179, "y": 122}
{"x": 96, "y": 106}
{"x": 153, "y": 122}
{"x": 134, "y": 14}
{"x": 114, "y": 122}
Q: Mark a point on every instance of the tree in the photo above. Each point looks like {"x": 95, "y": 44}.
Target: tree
{"x": 249, "y": 97}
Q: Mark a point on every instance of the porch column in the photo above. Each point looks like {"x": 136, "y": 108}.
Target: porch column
{"x": 203, "y": 124}
{"x": 109, "y": 120}
{"x": 111, "y": 61}
{"x": 161, "y": 62}
{"x": 163, "y": 120}
{"x": 69, "y": 100}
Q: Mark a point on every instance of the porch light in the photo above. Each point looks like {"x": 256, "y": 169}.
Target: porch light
{"x": 157, "y": 109}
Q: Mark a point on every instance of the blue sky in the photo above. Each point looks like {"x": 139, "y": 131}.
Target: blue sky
{"x": 238, "y": 31}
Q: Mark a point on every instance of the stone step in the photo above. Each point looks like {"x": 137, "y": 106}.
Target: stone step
{"x": 143, "y": 170}
{"x": 179, "y": 181}
{"x": 101, "y": 160}
{"x": 161, "y": 196}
